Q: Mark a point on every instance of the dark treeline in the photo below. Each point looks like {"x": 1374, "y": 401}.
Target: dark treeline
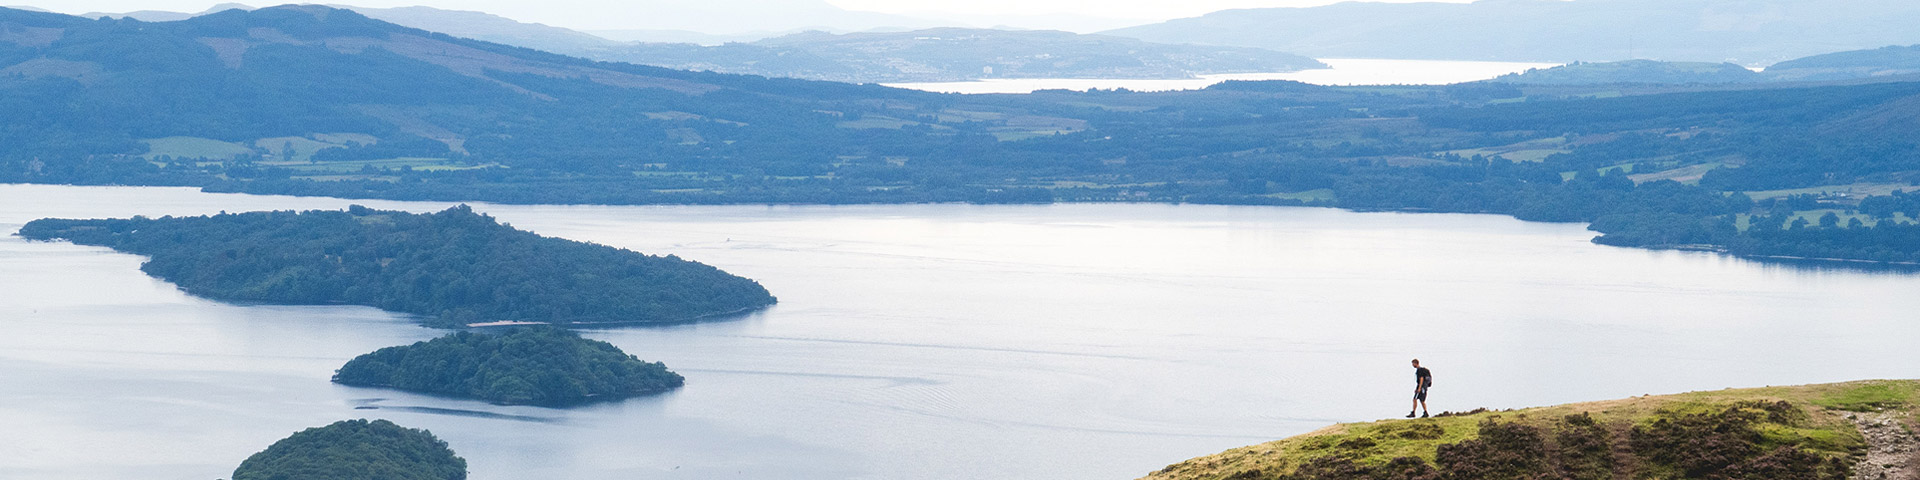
{"x": 1886, "y": 242}
{"x": 454, "y": 267}
{"x": 355, "y": 450}
{"x": 532, "y": 366}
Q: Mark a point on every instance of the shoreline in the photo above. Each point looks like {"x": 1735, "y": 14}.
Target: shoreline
{"x": 1296, "y": 204}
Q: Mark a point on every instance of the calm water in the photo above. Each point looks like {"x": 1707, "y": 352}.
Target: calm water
{"x": 937, "y": 341}
{"x": 1345, "y": 71}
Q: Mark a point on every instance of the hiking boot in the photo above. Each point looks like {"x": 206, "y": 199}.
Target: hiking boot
{"x": 1423, "y": 414}
{"x": 1409, "y": 414}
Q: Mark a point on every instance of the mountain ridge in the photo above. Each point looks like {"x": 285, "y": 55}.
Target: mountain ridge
{"x": 1738, "y": 31}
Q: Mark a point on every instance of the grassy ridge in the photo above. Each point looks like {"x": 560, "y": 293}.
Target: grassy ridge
{"x": 1758, "y": 433}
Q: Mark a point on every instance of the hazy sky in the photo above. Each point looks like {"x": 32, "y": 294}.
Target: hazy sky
{"x": 590, "y": 14}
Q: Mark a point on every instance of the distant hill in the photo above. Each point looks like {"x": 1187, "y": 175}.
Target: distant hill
{"x": 166, "y": 16}
{"x": 488, "y": 27}
{"x": 940, "y": 54}
{"x": 953, "y": 54}
{"x": 1634, "y": 71}
{"x": 372, "y": 99}
{"x": 1738, "y": 31}
{"x": 1881, "y": 62}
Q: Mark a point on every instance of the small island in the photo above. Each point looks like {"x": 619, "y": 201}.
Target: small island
{"x": 355, "y": 450}
{"x": 453, "y": 268}
{"x": 542, "y": 366}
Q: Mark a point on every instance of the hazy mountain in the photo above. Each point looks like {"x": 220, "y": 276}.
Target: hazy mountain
{"x": 487, "y": 27}
{"x": 1739, "y": 31}
{"x": 1069, "y": 22}
{"x": 1881, "y": 62}
{"x": 726, "y": 17}
{"x": 317, "y": 76}
{"x": 166, "y": 16}
{"x": 1635, "y": 71}
{"x": 1063, "y": 22}
{"x": 459, "y": 23}
{"x": 952, "y": 54}
{"x": 686, "y": 36}
{"x": 945, "y": 54}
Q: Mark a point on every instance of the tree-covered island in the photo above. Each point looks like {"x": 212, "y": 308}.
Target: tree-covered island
{"x": 453, "y": 268}
{"x": 528, "y": 366}
{"x": 355, "y": 450}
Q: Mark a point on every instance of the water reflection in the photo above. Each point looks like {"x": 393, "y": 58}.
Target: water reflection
{"x": 937, "y": 341}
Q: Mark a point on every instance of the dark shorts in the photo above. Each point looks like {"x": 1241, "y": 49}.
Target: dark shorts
{"x": 1420, "y": 394}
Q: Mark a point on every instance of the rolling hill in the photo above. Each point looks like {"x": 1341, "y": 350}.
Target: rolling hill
{"x": 308, "y": 100}
{"x": 1887, "y": 62}
{"x": 1635, "y": 71}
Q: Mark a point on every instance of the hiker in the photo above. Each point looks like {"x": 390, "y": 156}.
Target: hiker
{"x": 1422, "y": 378}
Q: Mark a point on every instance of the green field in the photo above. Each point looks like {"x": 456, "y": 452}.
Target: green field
{"x": 1689, "y": 174}
{"x": 877, "y": 121}
{"x": 1528, "y": 151}
{"x": 195, "y": 148}
{"x": 292, "y": 149}
{"x": 1321, "y": 195}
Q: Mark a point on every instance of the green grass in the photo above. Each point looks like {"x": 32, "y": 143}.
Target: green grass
{"x": 1528, "y": 151}
{"x": 877, "y": 121}
{"x": 1688, "y": 174}
{"x": 1867, "y": 397}
{"x": 345, "y": 138}
{"x": 1823, "y": 429}
{"x": 194, "y": 147}
{"x": 295, "y": 149}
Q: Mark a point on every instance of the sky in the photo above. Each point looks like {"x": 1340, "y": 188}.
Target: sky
{"x": 601, "y": 14}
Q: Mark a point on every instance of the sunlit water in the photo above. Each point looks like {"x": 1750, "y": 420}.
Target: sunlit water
{"x": 1345, "y": 71}
{"x": 937, "y": 341}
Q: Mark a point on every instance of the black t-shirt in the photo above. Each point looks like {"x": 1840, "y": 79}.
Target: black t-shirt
{"x": 1422, "y": 377}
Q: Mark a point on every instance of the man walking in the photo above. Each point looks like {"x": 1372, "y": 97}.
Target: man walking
{"x": 1422, "y": 378}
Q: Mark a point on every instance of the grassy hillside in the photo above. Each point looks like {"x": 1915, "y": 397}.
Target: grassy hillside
{"x": 1810, "y": 432}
